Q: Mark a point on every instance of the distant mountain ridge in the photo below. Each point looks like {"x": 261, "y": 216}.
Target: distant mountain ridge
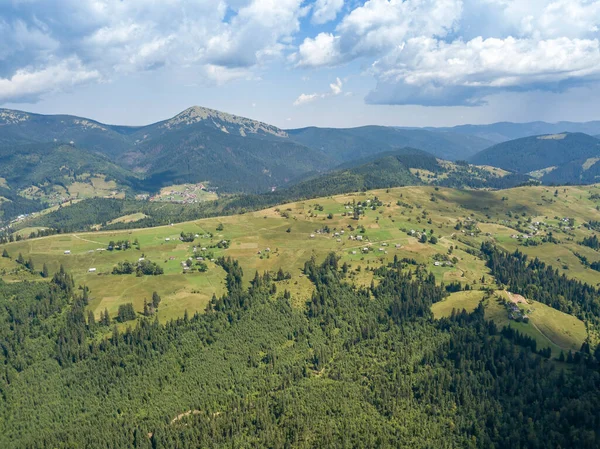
{"x": 348, "y": 144}
{"x": 505, "y": 131}
{"x": 553, "y": 158}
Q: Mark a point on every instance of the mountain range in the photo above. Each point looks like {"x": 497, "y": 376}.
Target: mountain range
{"x": 52, "y": 158}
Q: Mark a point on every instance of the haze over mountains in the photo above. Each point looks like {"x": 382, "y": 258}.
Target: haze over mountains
{"x": 45, "y": 157}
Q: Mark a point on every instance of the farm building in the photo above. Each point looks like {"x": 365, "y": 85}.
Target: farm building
{"x": 68, "y": 251}
{"x": 92, "y": 270}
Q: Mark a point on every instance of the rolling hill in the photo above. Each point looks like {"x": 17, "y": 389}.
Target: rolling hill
{"x": 565, "y": 157}
{"x": 349, "y": 144}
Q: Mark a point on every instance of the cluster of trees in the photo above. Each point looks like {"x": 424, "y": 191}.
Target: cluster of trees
{"x": 126, "y": 312}
{"x": 10, "y": 237}
{"x": 187, "y": 237}
{"x": 140, "y": 268}
{"x": 122, "y": 245}
{"x": 591, "y": 242}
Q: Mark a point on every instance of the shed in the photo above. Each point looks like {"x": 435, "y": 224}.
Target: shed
{"x": 68, "y": 251}
{"x": 92, "y": 270}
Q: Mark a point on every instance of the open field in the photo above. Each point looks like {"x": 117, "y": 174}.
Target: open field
{"x": 549, "y": 327}
{"x": 286, "y": 232}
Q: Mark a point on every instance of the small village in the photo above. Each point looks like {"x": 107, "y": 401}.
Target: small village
{"x": 184, "y": 194}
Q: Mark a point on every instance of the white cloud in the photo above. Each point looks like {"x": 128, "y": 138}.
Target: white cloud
{"x": 110, "y": 37}
{"x": 431, "y": 72}
{"x": 377, "y": 26}
{"x": 326, "y": 10}
{"x": 336, "y": 88}
{"x": 29, "y": 84}
{"x": 305, "y": 98}
{"x": 323, "y": 50}
{"x": 457, "y": 52}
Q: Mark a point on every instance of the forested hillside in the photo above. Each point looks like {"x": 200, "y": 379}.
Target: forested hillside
{"x": 362, "y": 368}
{"x": 349, "y": 144}
{"x": 543, "y": 153}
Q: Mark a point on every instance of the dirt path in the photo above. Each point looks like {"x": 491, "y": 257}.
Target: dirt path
{"x": 86, "y": 240}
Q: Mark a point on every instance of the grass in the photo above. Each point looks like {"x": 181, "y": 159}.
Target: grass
{"x": 549, "y": 327}
{"x": 253, "y": 232}
{"x": 131, "y": 218}
{"x": 467, "y": 300}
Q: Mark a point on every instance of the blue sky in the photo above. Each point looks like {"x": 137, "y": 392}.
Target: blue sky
{"x": 297, "y": 63}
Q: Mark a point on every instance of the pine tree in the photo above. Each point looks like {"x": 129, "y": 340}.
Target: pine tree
{"x": 146, "y": 309}
{"x": 91, "y": 320}
{"x": 20, "y": 259}
{"x": 5, "y": 254}
{"x": 106, "y": 318}
{"x": 155, "y": 300}
{"x": 45, "y": 271}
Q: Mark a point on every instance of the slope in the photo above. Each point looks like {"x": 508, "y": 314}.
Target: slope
{"x": 41, "y": 170}
{"x": 529, "y": 154}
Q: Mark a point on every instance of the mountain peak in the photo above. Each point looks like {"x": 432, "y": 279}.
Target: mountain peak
{"x": 10, "y": 117}
{"x": 227, "y": 123}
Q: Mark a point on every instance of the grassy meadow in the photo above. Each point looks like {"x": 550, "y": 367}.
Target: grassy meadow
{"x": 287, "y": 235}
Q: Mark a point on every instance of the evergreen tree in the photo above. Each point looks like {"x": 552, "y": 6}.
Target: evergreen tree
{"x": 45, "y": 273}
{"x": 155, "y": 300}
{"x": 91, "y": 321}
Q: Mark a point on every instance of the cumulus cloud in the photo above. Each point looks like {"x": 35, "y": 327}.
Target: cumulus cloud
{"x": 326, "y": 10}
{"x": 458, "y": 52}
{"x": 306, "y": 98}
{"x": 30, "y": 83}
{"x": 224, "y": 39}
{"x": 336, "y": 88}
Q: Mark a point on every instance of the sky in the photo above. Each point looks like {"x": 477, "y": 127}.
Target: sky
{"x": 296, "y": 63}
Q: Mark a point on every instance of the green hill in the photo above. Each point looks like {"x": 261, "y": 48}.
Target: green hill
{"x": 50, "y": 171}
{"x": 542, "y": 153}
